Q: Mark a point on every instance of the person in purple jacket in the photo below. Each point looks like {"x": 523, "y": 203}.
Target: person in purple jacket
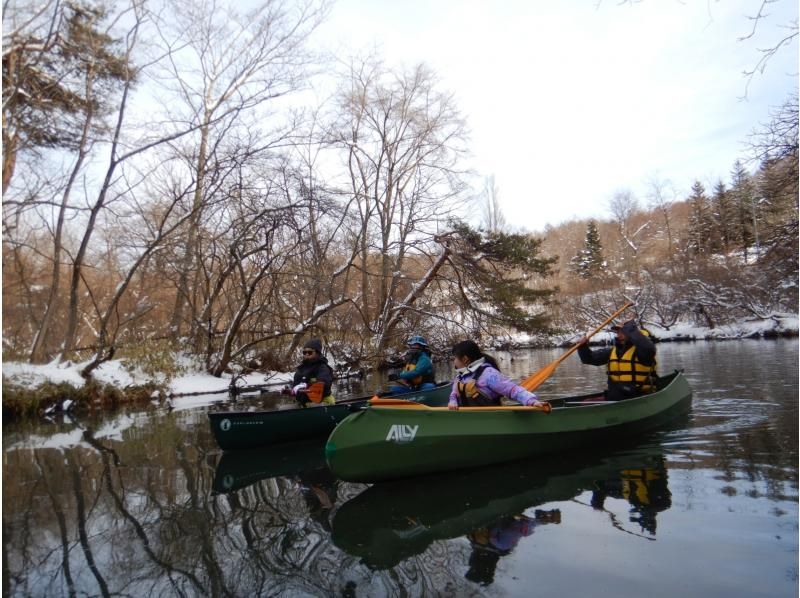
{"x": 479, "y": 383}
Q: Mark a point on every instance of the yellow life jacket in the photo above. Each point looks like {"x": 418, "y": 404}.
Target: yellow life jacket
{"x": 627, "y": 369}
{"x": 469, "y": 395}
{"x": 636, "y": 484}
{"x": 411, "y": 367}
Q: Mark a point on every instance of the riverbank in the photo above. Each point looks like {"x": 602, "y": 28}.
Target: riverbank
{"x": 783, "y": 325}
{"x": 43, "y": 390}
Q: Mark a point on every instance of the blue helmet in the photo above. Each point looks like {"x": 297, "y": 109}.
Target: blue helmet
{"x": 417, "y": 340}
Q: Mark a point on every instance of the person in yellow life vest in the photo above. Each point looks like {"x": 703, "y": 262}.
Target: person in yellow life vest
{"x": 417, "y": 371}
{"x": 631, "y": 362}
{"x": 313, "y": 378}
{"x": 479, "y": 383}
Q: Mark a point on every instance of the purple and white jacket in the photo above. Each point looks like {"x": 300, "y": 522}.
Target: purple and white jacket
{"x": 491, "y": 383}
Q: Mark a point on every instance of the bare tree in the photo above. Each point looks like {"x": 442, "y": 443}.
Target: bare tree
{"x": 623, "y": 207}
{"x": 402, "y": 140}
{"x": 494, "y": 219}
{"x": 223, "y": 65}
{"x": 784, "y": 39}
{"x": 660, "y": 197}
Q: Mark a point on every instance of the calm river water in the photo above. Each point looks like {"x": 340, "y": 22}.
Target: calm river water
{"x": 145, "y": 504}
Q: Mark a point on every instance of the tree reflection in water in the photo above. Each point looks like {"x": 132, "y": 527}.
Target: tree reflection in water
{"x": 140, "y": 507}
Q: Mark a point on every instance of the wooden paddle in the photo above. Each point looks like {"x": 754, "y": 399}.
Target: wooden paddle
{"x": 398, "y": 403}
{"x": 535, "y": 380}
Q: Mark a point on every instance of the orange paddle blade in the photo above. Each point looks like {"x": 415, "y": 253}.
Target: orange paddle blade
{"x": 534, "y": 381}
{"x": 315, "y": 391}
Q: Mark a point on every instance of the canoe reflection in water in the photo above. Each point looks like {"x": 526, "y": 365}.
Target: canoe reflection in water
{"x": 392, "y": 521}
{"x": 303, "y": 462}
{"x": 239, "y": 469}
{"x": 499, "y": 539}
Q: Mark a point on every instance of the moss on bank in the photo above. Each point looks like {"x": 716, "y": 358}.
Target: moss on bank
{"x": 22, "y": 401}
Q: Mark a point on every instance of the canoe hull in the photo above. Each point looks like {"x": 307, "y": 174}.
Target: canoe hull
{"x": 385, "y": 443}
{"x": 236, "y": 430}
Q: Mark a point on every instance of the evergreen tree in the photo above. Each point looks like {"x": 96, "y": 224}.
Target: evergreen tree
{"x": 496, "y": 275}
{"x": 589, "y": 261}
{"x": 57, "y": 77}
{"x": 745, "y": 204}
{"x": 700, "y": 226}
{"x": 722, "y": 215}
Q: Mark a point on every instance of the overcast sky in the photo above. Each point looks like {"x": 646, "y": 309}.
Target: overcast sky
{"x": 569, "y": 101}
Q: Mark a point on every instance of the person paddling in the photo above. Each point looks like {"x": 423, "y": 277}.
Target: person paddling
{"x": 417, "y": 371}
{"x": 479, "y": 383}
{"x": 631, "y": 362}
{"x": 313, "y": 378}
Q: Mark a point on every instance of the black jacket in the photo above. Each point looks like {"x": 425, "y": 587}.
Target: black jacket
{"x": 317, "y": 371}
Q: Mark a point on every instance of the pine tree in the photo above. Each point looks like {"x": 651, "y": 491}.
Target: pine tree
{"x": 496, "y": 272}
{"x": 746, "y": 206}
{"x": 56, "y": 79}
{"x": 589, "y": 262}
{"x": 722, "y": 215}
{"x": 700, "y": 223}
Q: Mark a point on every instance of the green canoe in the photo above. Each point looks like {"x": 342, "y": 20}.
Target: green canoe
{"x": 235, "y": 430}
{"x": 239, "y": 469}
{"x": 383, "y": 443}
{"x": 390, "y": 522}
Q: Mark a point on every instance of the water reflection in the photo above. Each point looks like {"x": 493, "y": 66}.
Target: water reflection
{"x": 491, "y": 542}
{"x": 239, "y": 469}
{"x": 644, "y": 488}
{"x": 390, "y": 522}
{"x": 146, "y": 504}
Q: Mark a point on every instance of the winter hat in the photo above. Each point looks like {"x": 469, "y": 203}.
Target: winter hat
{"x": 315, "y": 344}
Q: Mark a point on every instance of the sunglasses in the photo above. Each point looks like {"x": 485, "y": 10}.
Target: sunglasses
{"x": 308, "y": 351}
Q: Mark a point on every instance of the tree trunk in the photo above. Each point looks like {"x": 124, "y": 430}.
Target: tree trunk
{"x": 183, "y": 291}
{"x": 38, "y": 352}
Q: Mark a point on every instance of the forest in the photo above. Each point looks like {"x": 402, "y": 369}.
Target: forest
{"x": 170, "y": 185}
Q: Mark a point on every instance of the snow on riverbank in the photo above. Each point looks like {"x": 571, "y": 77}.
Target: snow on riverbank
{"x": 114, "y": 372}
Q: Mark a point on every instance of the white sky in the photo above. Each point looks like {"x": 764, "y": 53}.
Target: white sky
{"x": 569, "y": 101}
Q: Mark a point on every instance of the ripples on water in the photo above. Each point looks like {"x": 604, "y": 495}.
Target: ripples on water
{"x": 146, "y": 505}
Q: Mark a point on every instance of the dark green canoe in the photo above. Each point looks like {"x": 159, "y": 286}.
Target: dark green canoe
{"x": 250, "y": 429}
{"x": 390, "y": 522}
{"x": 239, "y": 469}
{"x": 382, "y": 443}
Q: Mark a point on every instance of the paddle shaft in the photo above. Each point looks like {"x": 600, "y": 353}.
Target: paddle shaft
{"x": 535, "y": 380}
{"x": 595, "y": 331}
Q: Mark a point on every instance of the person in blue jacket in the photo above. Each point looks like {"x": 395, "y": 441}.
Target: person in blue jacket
{"x": 418, "y": 373}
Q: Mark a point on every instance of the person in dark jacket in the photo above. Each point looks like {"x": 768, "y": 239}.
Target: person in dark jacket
{"x": 417, "y": 372}
{"x": 313, "y": 378}
{"x": 630, "y": 363}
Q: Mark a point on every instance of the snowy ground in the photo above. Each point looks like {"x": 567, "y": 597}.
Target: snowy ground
{"x": 114, "y": 373}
